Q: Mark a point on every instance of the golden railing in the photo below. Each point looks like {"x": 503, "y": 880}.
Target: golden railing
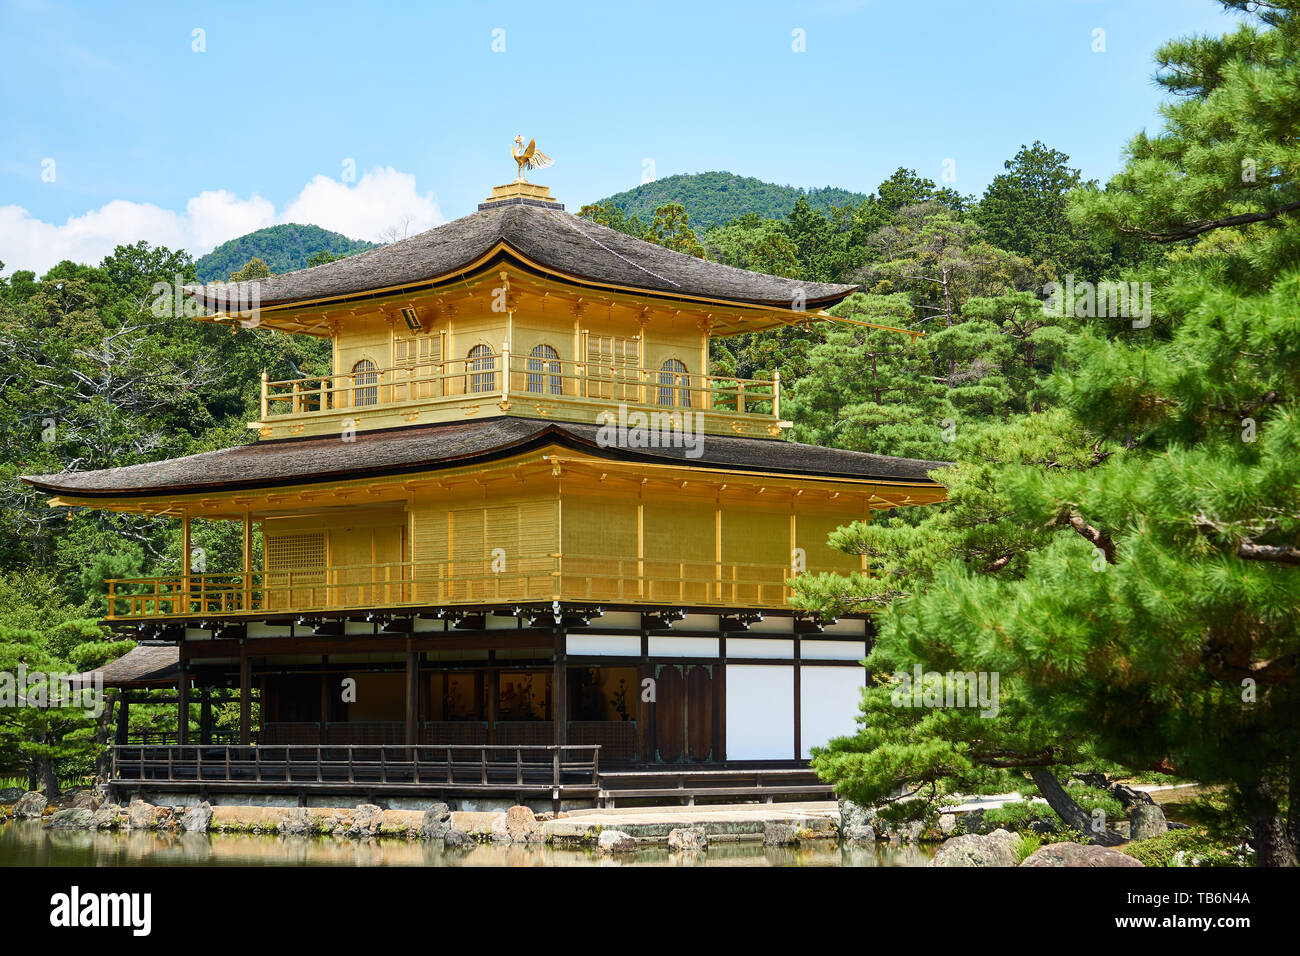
{"x": 530, "y": 578}
{"x": 528, "y": 377}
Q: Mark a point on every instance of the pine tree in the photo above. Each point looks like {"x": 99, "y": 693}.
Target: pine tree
{"x": 1143, "y": 610}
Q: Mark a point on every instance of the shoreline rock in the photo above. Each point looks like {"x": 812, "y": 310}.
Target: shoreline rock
{"x": 615, "y": 841}
{"x": 999, "y": 848}
{"x": 688, "y": 840}
{"x": 1077, "y": 854}
{"x": 29, "y": 805}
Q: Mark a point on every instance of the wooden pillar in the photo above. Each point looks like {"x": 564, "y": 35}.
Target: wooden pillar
{"x": 559, "y": 693}
{"x": 798, "y": 702}
{"x": 645, "y": 714}
{"x": 186, "y": 565}
{"x": 324, "y": 703}
{"x": 720, "y": 702}
{"x": 493, "y": 678}
{"x": 123, "y": 717}
{"x": 412, "y": 694}
{"x": 247, "y": 602}
{"x": 205, "y": 716}
{"x": 245, "y": 696}
{"x": 183, "y": 700}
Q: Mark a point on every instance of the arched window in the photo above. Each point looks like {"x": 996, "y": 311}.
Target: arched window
{"x": 365, "y": 381}
{"x": 674, "y": 384}
{"x": 544, "y": 370}
{"x": 482, "y": 368}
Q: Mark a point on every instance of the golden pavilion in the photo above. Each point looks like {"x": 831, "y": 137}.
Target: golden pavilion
{"x": 521, "y": 542}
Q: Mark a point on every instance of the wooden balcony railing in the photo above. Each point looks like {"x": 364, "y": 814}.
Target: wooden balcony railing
{"x": 545, "y": 768}
{"x": 559, "y": 381}
{"x": 530, "y": 578}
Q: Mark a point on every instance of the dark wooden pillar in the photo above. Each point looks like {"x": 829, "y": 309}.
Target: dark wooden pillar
{"x": 720, "y": 702}
{"x": 493, "y": 678}
{"x": 559, "y": 692}
{"x": 798, "y": 703}
{"x": 205, "y": 716}
{"x": 645, "y": 714}
{"x": 183, "y": 700}
{"x": 245, "y": 696}
{"x": 321, "y": 733}
{"x": 123, "y": 717}
{"x": 412, "y": 695}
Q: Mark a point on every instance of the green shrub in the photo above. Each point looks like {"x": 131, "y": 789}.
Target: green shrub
{"x": 1198, "y": 847}
{"x": 1020, "y": 816}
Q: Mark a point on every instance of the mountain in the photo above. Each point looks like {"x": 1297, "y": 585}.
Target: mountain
{"x": 285, "y": 248}
{"x": 714, "y": 198}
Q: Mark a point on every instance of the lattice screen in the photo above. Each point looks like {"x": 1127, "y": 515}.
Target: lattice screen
{"x": 301, "y": 551}
{"x": 612, "y": 357}
{"x": 418, "y": 357}
{"x": 295, "y": 569}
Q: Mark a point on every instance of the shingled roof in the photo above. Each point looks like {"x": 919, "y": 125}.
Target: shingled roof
{"x": 543, "y": 234}
{"x": 419, "y": 448}
{"x": 144, "y": 665}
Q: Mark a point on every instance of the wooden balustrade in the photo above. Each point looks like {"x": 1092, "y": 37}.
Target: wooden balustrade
{"x": 472, "y": 767}
{"x": 501, "y": 377}
{"x": 533, "y": 578}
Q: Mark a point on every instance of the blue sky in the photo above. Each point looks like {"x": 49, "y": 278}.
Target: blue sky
{"x": 150, "y": 139}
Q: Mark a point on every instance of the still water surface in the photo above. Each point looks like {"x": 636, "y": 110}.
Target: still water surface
{"x": 26, "y": 843}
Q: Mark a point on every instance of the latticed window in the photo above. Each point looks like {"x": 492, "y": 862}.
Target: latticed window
{"x": 304, "y": 551}
{"x": 365, "y": 383}
{"x": 674, "y": 384}
{"x": 482, "y": 368}
{"x": 544, "y": 370}
{"x": 295, "y": 569}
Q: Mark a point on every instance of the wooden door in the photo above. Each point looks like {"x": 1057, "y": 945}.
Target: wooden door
{"x": 670, "y": 713}
{"x": 699, "y": 712}
{"x": 683, "y": 713}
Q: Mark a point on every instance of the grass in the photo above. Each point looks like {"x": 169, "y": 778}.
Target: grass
{"x": 1198, "y": 849}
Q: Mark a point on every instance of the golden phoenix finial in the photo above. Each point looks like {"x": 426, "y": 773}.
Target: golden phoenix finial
{"x": 530, "y": 158}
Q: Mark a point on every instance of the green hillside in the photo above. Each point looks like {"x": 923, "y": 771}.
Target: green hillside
{"x": 714, "y": 198}
{"x": 285, "y": 248}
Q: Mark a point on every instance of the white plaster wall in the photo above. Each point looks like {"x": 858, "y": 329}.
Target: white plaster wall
{"x": 760, "y": 712}
{"x": 829, "y": 698}
{"x": 615, "y": 645}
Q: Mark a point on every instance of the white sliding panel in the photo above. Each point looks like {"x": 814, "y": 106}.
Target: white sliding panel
{"x": 760, "y": 712}
{"x": 828, "y": 698}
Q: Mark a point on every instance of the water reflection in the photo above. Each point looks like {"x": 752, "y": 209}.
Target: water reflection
{"x": 26, "y": 843}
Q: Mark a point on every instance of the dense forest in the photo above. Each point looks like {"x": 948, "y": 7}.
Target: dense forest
{"x": 1111, "y": 369}
{"x": 283, "y": 248}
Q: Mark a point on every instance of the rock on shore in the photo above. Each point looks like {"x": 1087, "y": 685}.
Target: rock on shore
{"x": 999, "y": 848}
{"x": 1077, "y": 854}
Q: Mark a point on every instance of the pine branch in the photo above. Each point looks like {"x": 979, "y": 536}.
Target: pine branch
{"x": 1100, "y": 539}
{"x": 1194, "y": 229}
{"x": 1248, "y": 548}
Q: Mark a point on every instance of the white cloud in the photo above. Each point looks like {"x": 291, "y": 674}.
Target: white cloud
{"x": 383, "y": 200}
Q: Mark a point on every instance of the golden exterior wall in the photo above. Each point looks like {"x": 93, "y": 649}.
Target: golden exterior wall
{"x": 547, "y": 525}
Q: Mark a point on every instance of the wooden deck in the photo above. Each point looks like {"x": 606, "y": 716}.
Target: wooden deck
{"x": 686, "y": 785}
{"x": 512, "y": 771}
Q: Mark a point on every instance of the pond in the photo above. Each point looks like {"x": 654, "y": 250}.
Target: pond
{"x": 26, "y": 843}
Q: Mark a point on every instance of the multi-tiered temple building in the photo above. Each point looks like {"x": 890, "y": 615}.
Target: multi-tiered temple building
{"x": 519, "y": 519}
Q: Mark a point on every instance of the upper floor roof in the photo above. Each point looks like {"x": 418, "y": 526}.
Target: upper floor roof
{"x": 294, "y": 461}
{"x": 536, "y": 235}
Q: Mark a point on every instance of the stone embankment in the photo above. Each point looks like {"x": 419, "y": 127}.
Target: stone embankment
{"x": 965, "y": 839}
{"x": 613, "y": 832}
